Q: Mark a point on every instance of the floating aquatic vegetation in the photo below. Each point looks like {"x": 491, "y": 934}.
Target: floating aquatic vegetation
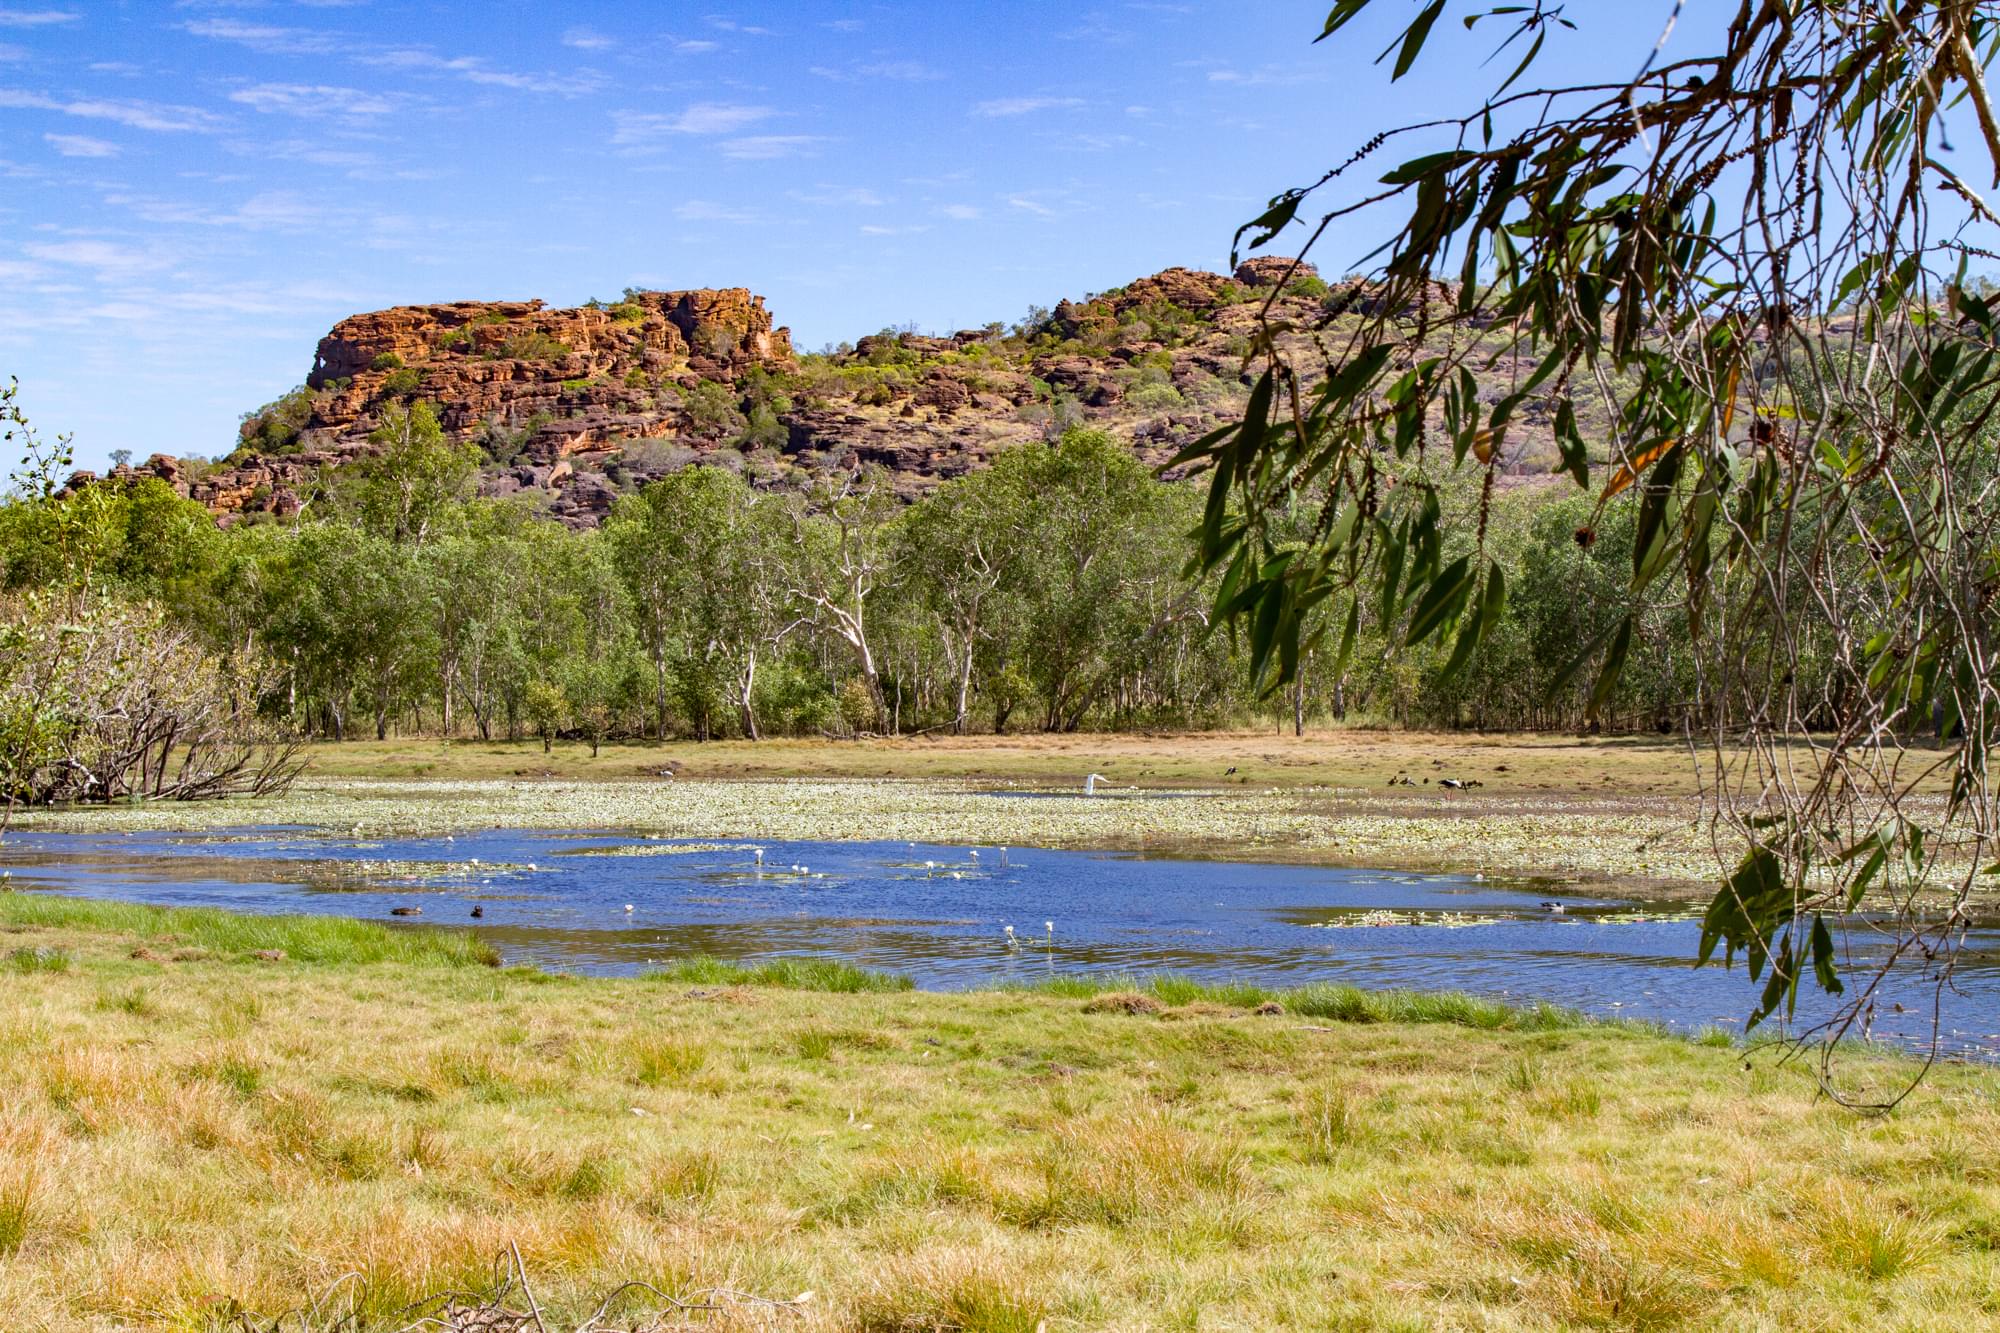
{"x": 338, "y": 876}
{"x": 659, "y": 849}
{"x": 1654, "y": 839}
{"x": 1385, "y": 917}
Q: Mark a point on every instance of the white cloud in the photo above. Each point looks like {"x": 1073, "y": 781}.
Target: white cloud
{"x": 876, "y": 229}
{"x": 273, "y": 210}
{"x": 1027, "y": 205}
{"x": 695, "y": 46}
{"x": 314, "y": 100}
{"x": 10, "y": 54}
{"x": 900, "y": 71}
{"x": 960, "y": 212}
{"x": 267, "y": 38}
{"x": 106, "y": 258}
{"x": 639, "y": 129}
{"x": 587, "y": 39}
{"x": 904, "y": 71}
{"x": 767, "y": 147}
{"x": 35, "y": 18}
{"x": 1021, "y": 106}
{"x": 475, "y": 70}
{"x": 701, "y": 210}
{"x": 307, "y": 150}
{"x": 859, "y": 196}
{"x": 1269, "y": 76}
{"x": 136, "y": 115}
{"x": 80, "y": 145}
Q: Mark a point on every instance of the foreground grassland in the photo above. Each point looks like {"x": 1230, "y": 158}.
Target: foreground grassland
{"x": 1587, "y": 810}
{"x": 193, "y": 1130}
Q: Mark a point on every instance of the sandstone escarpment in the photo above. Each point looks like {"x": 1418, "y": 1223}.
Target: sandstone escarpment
{"x": 573, "y": 407}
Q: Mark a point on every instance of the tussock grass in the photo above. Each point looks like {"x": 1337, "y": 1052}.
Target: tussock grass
{"x": 24, "y": 962}
{"x": 812, "y": 974}
{"x": 17, "y": 1205}
{"x": 1325, "y": 1001}
{"x": 306, "y": 939}
{"x": 987, "y": 1160}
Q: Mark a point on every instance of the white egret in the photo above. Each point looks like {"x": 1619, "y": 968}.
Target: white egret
{"x": 1090, "y": 783}
{"x": 1012, "y": 943}
{"x": 1050, "y": 927}
{"x": 628, "y": 909}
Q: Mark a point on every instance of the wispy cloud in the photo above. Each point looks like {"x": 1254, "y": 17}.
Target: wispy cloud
{"x": 80, "y": 145}
{"x": 895, "y": 71}
{"x": 701, "y": 210}
{"x": 961, "y": 212}
{"x": 1269, "y": 76}
{"x": 767, "y": 147}
{"x": 135, "y": 115}
{"x": 272, "y": 39}
{"x": 1021, "y": 106}
{"x": 1027, "y": 205}
{"x": 587, "y": 39}
{"x": 36, "y": 18}
{"x": 646, "y": 129}
{"x": 308, "y": 150}
{"x": 105, "y": 258}
{"x": 315, "y": 101}
{"x": 11, "y": 54}
{"x": 858, "y": 196}
{"x": 268, "y": 38}
{"x": 272, "y": 210}
{"x": 475, "y": 70}
{"x": 695, "y": 46}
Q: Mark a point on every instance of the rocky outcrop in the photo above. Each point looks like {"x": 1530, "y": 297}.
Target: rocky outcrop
{"x": 573, "y": 408}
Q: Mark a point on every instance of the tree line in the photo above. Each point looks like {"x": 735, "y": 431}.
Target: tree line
{"x": 1049, "y": 591}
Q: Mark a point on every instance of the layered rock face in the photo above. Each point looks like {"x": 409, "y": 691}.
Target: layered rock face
{"x": 594, "y": 374}
{"x": 572, "y": 408}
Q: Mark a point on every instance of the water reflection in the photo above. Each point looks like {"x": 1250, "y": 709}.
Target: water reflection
{"x": 940, "y": 914}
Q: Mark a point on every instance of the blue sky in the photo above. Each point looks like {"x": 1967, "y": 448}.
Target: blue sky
{"x": 190, "y": 194}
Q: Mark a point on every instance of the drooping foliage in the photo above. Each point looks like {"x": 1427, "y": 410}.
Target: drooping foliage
{"x": 1734, "y": 286}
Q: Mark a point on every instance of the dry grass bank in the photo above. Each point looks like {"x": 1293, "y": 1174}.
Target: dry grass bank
{"x": 1324, "y": 757}
{"x": 179, "y": 1139}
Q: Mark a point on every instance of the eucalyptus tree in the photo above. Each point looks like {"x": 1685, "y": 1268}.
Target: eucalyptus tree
{"x": 840, "y": 556}
{"x": 1733, "y": 285}
{"x": 959, "y": 547}
{"x": 1095, "y": 577}
{"x": 697, "y": 551}
{"x": 415, "y": 480}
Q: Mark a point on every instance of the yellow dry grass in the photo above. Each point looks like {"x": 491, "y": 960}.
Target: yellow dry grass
{"x": 182, "y": 1139}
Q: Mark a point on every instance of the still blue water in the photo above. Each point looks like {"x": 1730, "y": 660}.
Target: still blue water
{"x": 559, "y": 900}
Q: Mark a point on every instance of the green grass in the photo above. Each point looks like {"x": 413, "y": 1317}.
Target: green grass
{"x": 1334, "y": 1003}
{"x": 27, "y": 961}
{"x": 307, "y": 939}
{"x": 809, "y": 974}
